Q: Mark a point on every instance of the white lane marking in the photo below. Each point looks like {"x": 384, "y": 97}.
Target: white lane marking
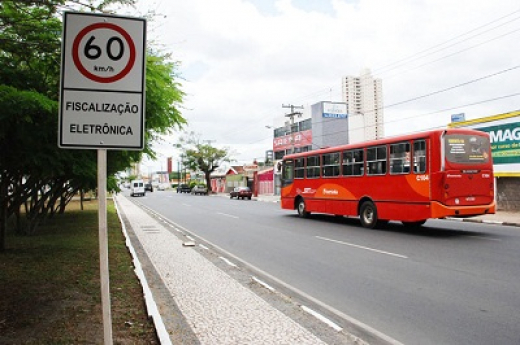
{"x": 492, "y": 222}
{"x": 362, "y": 247}
{"x": 203, "y": 247}
{"x": 486, "y": 238}
{"x": 264, "y": 284}
{"x": 189, "y": 238}
{"x": 322, "y": 318}
{"x": 227, "y": 215}
{"x": 227, "y": 261}
{"x": 186, "y": 205}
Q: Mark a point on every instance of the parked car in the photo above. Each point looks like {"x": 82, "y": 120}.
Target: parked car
{"x": 148, "y": 187}
{"x": 163, "y": 186}
{"x": 199, "y": 189}
{"x": 241, "y": 193}
{"x": 183, "y": 188}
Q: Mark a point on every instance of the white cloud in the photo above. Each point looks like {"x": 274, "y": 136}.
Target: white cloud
{"x": 244, "y": 59}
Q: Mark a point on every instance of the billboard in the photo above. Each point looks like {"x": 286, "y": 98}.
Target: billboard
{"x": 334, "y": 110}
{"x": 505, "y": 142}
{"x": 285, "y": 142}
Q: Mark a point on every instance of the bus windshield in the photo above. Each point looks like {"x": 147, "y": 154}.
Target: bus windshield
{"x": 287, "y": 172}
{"x": 467, "y": 149}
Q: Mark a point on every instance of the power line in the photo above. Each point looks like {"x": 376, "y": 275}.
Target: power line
{"x": 437, "y": 111}
{"x": 453, "y": 54}
{"x": 453, "y": 87}
{"x": 399, "y": 62}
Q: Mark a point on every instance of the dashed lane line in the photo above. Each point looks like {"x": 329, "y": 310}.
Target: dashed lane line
{"x": 363, "y": 247}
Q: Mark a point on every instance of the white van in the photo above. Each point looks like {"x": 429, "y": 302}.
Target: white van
{"x": 137, "y": 188}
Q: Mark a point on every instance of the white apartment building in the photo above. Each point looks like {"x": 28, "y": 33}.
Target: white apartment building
{"x": 364, "y": 98}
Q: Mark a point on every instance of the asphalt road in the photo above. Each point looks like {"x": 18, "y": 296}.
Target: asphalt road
{"x": 448, "y": 283}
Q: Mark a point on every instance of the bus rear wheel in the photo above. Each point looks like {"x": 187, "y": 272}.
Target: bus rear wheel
{"x": 368, "y": 215}
{"x": 302, "y": 211}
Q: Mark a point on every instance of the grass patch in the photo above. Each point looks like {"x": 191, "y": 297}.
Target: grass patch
{"x": 50, "y": 291}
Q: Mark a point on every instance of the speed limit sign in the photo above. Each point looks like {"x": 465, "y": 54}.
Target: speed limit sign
{"x": 119, "y": 51}
{"x": 102, "y": 89}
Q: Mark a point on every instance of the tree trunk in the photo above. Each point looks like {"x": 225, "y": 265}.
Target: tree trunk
{"x": 208, "y": 183}
{"x": 3, "y": 212}
{"x": 81, "y": 195}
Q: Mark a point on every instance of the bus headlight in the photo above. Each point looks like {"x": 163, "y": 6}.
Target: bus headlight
{"x": 457, "y": 201}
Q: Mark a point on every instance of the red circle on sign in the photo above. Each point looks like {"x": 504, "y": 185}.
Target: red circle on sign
{"x": 91, "y": 76}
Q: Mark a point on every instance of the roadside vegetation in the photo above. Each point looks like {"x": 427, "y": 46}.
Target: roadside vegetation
{"x": 50, "y": 291}
{"x": 38, "y": 179}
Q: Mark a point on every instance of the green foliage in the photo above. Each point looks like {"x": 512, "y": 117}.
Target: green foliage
{"x": 32, "y": 167}
{"x": 30, "y": 47}
{"x": 163, "y": 98}
{"x": 202, "y": 156}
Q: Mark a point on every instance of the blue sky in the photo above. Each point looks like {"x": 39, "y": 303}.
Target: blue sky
{"x": 242, "y": 60}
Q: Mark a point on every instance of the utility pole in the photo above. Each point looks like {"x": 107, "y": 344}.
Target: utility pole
{"x": 291, "y": 116}
{"x": 182, "y": 168}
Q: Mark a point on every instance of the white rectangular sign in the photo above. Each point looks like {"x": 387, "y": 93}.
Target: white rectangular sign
{"x": 335, "y": 110}
{"x": 102, "y": 91}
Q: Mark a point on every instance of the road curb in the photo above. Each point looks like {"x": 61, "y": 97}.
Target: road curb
{"x": 150, "y": 304}
{"x": 483, "y": 221}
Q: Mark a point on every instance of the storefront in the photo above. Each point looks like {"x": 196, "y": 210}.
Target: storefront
{"x": 265, "y": 182}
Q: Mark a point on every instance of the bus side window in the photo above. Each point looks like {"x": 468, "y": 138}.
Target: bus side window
{"x": 400, "y": 158}
{"x": 353, "y": 162}
{"x": 376, "y": 160}
{"x": 330, "y": 164}
{"x": 299, "y": 167}
{"x": 313, "y": 167}
{"x": 419, "y": 157}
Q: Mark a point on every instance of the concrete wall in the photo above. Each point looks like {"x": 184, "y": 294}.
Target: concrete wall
{"x": 508, "y": 193}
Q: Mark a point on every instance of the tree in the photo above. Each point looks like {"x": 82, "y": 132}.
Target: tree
{"x": 34, "y": 172}
{"x": 200, "y": 155}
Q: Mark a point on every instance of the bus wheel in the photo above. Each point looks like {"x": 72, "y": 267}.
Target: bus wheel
{"x": 302, "y": 212}
{"x": 368, "y": 215}
{"x": 414, "y": 224}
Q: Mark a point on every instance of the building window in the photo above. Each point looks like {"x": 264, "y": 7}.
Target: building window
{"x": 306, "y": 125}
{"x": 280, "y": 132}
{"x": 279, "y": 154}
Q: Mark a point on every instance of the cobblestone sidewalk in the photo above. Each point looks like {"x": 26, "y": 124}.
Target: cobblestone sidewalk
{"x": 218, "y": 309}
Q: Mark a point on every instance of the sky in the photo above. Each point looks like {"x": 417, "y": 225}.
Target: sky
{"x": 241, "y": 60}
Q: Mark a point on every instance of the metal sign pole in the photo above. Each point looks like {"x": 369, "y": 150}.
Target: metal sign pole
{"x": 103, "y": 244}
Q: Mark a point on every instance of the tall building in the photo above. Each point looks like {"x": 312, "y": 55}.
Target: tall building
{"x": 364, "y": 98}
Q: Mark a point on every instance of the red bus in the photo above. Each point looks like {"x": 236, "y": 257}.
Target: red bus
{"x": 409, "y": 178}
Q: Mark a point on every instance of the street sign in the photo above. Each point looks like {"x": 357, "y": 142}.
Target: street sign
{"x": 102, "y": 90}
{"x": 458, "y": 117}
